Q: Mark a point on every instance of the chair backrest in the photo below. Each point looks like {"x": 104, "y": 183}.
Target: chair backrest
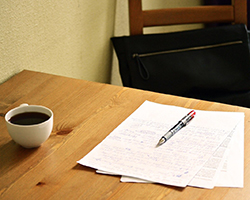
{"x": 235, "y": 13}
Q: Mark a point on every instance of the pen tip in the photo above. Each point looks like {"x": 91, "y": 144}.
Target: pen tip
{"x": 161, "y": 141}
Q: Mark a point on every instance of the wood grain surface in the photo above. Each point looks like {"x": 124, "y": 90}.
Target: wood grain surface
{"x": 84, "y": 114}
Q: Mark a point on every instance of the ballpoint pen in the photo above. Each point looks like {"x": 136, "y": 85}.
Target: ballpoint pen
{"x": 182, "y": 123}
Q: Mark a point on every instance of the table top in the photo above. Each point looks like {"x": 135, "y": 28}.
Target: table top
{"x": 84, "y": 114}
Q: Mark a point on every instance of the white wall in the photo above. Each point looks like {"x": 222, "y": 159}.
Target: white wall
{"x": 66, "y": 37}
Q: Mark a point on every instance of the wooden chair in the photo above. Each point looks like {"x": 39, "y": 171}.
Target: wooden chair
{"x": 138, "y": 18}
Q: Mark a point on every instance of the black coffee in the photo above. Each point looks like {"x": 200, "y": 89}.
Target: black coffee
{"x": 29, "y": 118}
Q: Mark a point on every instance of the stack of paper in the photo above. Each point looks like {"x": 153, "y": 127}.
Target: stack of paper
{"x": 208, "y": 152}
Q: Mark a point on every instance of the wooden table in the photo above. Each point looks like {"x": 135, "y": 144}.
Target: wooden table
{"x": 85, "y": 113}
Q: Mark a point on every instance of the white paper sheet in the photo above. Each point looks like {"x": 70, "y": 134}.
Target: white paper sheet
{"x": 209, "y": 173}
{"x": 230, "y": 174}
{"x": 130, "y": 149}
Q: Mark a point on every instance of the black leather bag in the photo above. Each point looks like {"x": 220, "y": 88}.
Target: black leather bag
{"x": 210, "y": 64}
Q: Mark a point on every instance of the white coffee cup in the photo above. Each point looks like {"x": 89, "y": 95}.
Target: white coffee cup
{"x": 30, "y": 136}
